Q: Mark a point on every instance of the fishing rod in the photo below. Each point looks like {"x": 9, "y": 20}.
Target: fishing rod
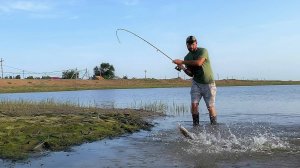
{"x": 157, "y": 49}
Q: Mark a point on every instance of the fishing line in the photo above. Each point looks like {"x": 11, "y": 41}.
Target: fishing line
{"x": 157, "y": 49}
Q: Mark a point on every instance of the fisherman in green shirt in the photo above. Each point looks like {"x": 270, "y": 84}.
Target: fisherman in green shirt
{"x": 197, "y": 65}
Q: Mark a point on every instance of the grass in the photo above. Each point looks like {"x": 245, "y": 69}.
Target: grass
{"x": 159, "y": 106}
{"x": 156, "y": 106}
{"x": 26, "y": 85}
{"x": 233, "y": 82}
{"x": 27, "y": 127}
{"x": 46, "y": 85}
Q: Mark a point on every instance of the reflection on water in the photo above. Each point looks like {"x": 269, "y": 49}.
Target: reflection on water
{"x": 259, "y": 127}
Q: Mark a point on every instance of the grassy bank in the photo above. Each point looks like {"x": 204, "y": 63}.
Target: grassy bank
{"x": 27, "y": 127}
{"x": 254, "y": 82}
{"x": 27, "y": 85}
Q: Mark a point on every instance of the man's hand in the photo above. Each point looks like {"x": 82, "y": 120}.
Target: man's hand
{"x": 178, "y": 61}
{"x": 180, "y": 67}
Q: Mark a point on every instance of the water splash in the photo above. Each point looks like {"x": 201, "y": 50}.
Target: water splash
{"x": 237, "y": 141}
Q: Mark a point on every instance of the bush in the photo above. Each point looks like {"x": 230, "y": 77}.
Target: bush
{"x": 30, "y": 77}
{"x": 105, "y": 70}
{"x": 70, "y": 74}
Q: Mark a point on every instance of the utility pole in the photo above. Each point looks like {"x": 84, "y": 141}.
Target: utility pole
{"x": 85, "y": 74}
{"x": 145, "y": 74}
{"x": 1, "y": 68}
{"x": 76, "y": 73}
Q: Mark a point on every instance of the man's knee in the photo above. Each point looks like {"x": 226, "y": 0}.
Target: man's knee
{"x": 195, "y": 108}
{"x": 210, "y": 108}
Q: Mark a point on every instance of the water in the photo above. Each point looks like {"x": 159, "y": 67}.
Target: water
{"x": 259, "y": 127}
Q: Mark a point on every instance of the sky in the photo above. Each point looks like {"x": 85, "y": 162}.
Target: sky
{"x": 245, "y": 39}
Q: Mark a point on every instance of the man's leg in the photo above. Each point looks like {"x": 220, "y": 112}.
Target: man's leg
{"x": 209, "y": 98}
{"x": 195, "y": 114}
{"x": 195, "y": 99}
{"x": 212, "y": 115}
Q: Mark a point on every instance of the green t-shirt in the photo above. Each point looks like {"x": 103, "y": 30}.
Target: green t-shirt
{"x": 202, "y": 74}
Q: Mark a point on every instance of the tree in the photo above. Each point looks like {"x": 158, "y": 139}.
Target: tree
{"x": 46, "y": 77}
{"x": 18, "y": 76}
{"x": 96, "y": 71}
{"x": 70, "y": 74}
{"x": 105, "y": 70}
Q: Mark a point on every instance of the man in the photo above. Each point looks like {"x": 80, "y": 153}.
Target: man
{"x": 197, "y": 65}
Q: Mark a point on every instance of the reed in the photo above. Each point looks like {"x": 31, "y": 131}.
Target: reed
{"x": 156, "y": 106}
{"x": 159, "y": 106}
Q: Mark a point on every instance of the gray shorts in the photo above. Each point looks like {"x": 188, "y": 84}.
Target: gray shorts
{"x": 207, "y": 91}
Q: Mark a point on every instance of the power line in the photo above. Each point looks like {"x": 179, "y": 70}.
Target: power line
{"x": 23, "y": 72}
{"x": 31, "y": 72}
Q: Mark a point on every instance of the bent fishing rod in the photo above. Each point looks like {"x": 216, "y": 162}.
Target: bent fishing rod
{"x": 157, "y": 49}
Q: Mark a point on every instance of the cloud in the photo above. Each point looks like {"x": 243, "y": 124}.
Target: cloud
{"x": 131, "y": 2}
{"x": 30, "y": 6}
{"x": 40, "y": 9}
{"x": 22, "y": 5}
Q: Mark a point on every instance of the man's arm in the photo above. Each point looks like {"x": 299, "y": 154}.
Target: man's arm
{"x": 198, "y": 62}
{"x": 186, "y": 70}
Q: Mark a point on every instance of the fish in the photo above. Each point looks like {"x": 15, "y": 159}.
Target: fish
{"x": 185, "y": 132}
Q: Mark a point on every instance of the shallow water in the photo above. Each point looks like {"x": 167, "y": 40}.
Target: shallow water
{"x": 259, "y": 127}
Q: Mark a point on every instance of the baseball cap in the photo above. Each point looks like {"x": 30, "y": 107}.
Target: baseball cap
{"x": 191, "y": 39}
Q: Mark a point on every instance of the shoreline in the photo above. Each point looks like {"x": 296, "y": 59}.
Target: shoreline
{"x": 34, "y": 127}
{"x": 52, "y": 85}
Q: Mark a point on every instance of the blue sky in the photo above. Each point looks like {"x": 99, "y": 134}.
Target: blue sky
{"x": 246, "y": 39}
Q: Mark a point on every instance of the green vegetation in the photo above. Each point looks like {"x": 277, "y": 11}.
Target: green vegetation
{"x": 27, "y": 127}
{"x": 105, "y": 70}
{"x": 70, "y": 74}
{"x": 233, "y": 82}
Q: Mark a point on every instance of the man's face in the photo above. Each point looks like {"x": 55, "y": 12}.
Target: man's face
{"x": 192, "y": 46}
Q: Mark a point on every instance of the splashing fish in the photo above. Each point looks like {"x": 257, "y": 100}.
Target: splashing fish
{"x": 185, "y": 132}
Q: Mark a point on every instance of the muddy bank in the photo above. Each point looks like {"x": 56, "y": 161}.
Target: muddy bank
{"x": 34, "y": 127}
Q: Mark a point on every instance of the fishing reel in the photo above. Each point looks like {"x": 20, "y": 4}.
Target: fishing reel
{"x": 178, "y": 68}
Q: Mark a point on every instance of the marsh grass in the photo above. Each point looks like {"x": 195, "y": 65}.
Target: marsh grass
{"x": 180, "y": 109}
{"x": 156, "y": 106}
{"x": 26, "y": 107}
{"x": 159, "y": 106}
{"x": 26, "y": 124}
